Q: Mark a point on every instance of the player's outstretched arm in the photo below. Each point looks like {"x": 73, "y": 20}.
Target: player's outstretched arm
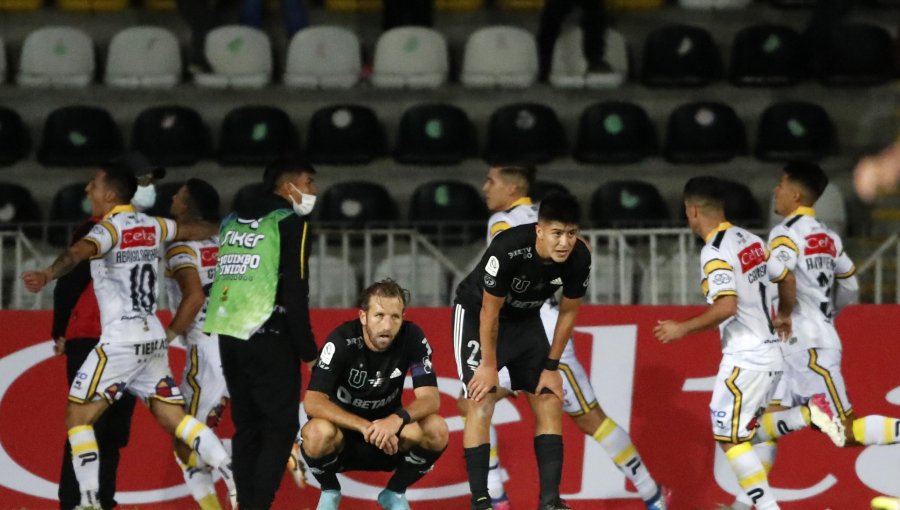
{"x": 723, "y": 308}
{"x": 67, "y": 260}
{"x": 318, "y": 405}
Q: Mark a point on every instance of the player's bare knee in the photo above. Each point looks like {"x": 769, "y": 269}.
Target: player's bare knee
{"x": 435, "y": 433}
{"x": 320, "y": 437}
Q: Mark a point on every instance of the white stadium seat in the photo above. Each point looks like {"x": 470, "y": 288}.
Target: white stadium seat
{"x": 569, "y": 67}
{"x": 500, "y": 56}
{"x": 413, "y": 57}
{"x": 143, "y": 57}
{"x": 332, "y": 282}
{"x": 427, "y": 287}
{"x": 240, "y": 58}
{"x": 323, "y": 57}
{"x": 56, "y": 57}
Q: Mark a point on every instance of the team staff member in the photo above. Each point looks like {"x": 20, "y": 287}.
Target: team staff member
{"x": 358, "y": 420}
{"x": 259, "y": 307}
{"x": 739, "y": 293}
{"x": 497, "y": 323}
{"x": 190, "y": 268}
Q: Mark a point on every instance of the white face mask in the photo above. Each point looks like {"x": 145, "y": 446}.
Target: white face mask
{"x": 307, "y": 202}
{"x": 144, "y": 197}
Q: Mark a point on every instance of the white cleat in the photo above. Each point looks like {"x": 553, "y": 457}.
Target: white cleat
{"x": 296, "y": 467}
{"x": 821, "y": 415}
{"x": 228, "y": 478}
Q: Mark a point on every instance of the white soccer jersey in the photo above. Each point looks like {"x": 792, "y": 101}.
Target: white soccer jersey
{"x": 521, "y": 211}
{"x": 815, "y": 254}
{"x": 125, "y": 273}
{"x": 199, "y": 256}
{"x": 733, "y": 263}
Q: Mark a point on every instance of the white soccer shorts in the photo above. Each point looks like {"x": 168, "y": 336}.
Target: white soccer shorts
{"x": 202, "y": 383}
{"x": 739, "y": 397}
{"x": 813, "y": 371}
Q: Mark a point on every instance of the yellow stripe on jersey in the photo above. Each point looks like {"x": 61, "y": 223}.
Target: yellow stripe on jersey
{"x": 112, "y": 231}
{"x": 785, "y": 241}
{"x": 179, "y": 268}
{"x": 98, "y": 372}
{"x": 498, "y": 227}
{"x": 782, "y": 276}
{"x": 164, "y": 228}
{"x": 736, "y": 409}
{"x": 848, "y": 274}
{"x": 303, "y": 250}
{"x": 96, "y": 244}
{"x": 179, "y": 250}
{"x": 704, "y": 285}
{"x": 724, "y": 293}
{"x": 716, "y": 264}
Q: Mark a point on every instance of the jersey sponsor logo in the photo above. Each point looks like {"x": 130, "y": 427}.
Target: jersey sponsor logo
{"x": 820, "y": 243}
{"x": 357, "y": 378}
{"x": 520, "y": 284}
{"x": 208, "y": 256}
{"x": 327, "y": 354}
{"x": 515, "y": 303}
{"x": 243, "y": 239}
{"x": 492, "y": 266}
{"x": 344, "y": 396}
{"x": 752, "y": 256}
{"x": 524, "y": 252}
{"x": 138, "y": 236}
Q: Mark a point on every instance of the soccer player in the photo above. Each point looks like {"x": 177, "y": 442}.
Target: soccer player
{"x": 190, "y": 269}
{"x": 497, "y": 324}
{"x": 739, "y": 293}
{"x": 132, "y": 355}
{"x": 354, "y": 401}
{"x": 506, "y": 193}
{"x": 815, "y": 280}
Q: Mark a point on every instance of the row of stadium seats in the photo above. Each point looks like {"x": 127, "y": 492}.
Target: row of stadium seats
{"x": 357, "y": 204}
{"x": 429, "y": 134}
{"x": 330, "y": 57}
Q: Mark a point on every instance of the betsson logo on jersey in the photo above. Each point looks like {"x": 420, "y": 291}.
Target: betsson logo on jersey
{"x": 752, "y": 256}
{"x": 208, "y": 256}
{"x": 820, "y": 244}
{"x": 138, "y": 236}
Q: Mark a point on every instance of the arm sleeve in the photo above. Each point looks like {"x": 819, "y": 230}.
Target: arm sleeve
{"x": 579, "y": 271}
{"x": 293, "y": 292}
{"x": 718, "y": 275}
{"x": 420, "y": 366}
{"x": 180, "y": 256}
{"x": 330, "y": 367}
{"x": 843, "y": 265}
{"x": 496, "y": 269}
{"x": 783, "y": 254}
{"x": 168, "y": 229}
{"x": 104, "y": 235}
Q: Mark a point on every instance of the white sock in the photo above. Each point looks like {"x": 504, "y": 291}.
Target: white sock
{"x": 776, "y": 424}
{"x": 766, "y": 451}
{"x": 86, "y": 462}
{"x": 874, "y": 429}
{"x": 751, "y": 476}
{"x": 200, "y": 482}
{"x": 202, "y": 440}
{"x": 617, "y": 444}
{"x": 495, "y": 480}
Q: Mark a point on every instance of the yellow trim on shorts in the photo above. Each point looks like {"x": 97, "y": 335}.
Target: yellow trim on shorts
{"x": 98, "y": 373}
{"x": 829, "y": 383}
{"x": 181, "y": 249}
{"x": 716, "y": 264}
{"x": 785, "y": 241}
{"x": 582, "y": 402}
{"x": 177, "y": 402}
{"x": 192, "y": 381}
{"x": 738, "y": 398}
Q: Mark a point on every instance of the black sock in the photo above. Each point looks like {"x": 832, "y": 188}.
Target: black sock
{"x": 414, "y": 465}
{"x": 324, "y": 469}
{"x": 548, "y": 448}
{"x": 477, "y": 462}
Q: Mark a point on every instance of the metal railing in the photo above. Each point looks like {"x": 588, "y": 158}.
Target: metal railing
{"x": 876, "y": 263}
{"x": 12, "y": 291}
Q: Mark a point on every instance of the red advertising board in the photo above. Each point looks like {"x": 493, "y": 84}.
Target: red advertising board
{"x": 660, "y": 393}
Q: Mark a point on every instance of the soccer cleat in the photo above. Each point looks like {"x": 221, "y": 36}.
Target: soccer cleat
{"x": 228, "y": 478}
{"x": 661, "y": 500}
{"x": 823, "y": 418}
{"x": 885, "y": 503}
{"x": 501, "y": 503}
{"x": 390, "y": 500}
{"x": 89, "y": 501}
{"x": 296, "y": 467}
{"x": 483, "y": 503}
{"x": 559, "y": 505}
{"x": 329, "y": 500}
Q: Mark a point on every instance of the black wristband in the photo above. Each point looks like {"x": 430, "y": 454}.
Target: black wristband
{"x": 404, "y": 415}
{"x": 551, "y": 364}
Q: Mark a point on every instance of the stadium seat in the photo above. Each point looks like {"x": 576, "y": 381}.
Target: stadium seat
{"x": 830, "y": 209}
{"x": 18, "y": 206}
{"x": 568, "y": 68}
{"x": 353, "y": 5}
{"x": 524, "y": 133}
{"x": 164, "y": 193}
{"x": 614, "y": 132}
{"x": 240, "y": 58}
{"x": 15, "y": 142}
{"x": 704, "y": 132}
{"x": 680, "y": 56}
{"x": 857, "y": 54}
{"x": 332, "y": 282}
{"x": 143, "y": 57}
{"x": 458, "y": 5}
{"x": 709, "y": 5}
{"x": 541, "y": 189}
{"x": 92, "y": 5}
{"x": 69, "y": 208}
{"x": 740, "y": 206}
{"x": 414, "y": 57}
{"x": 767, "y": 55}
{"x": 21, "y": 5}
{"x": 323, "y": 57}
{"x": 424, "y": 277}
{"x": 356, "y": 204}
{"x": 521, "y": 5}
{"x": 605, "y": 278}
{"x": 160, "y": 5}
{"x": 500, "y": 56}
{"x": 79, "y": 136}
{"x": 628, "y": 204}
{"x": 246, "y": 194}
{"x": 171, "y": 136}
{"x": 448, "y": 209}
{"x": 794, "y": 130}
{"x": 56, "y": 57}
{"x": 256, "y": 135}
{"x": 345, "y": 134}
{"x": 435, "y": 134}
{"x": 2, "y": 61}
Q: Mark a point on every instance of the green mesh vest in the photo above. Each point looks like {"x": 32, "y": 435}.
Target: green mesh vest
{"x": 242, "y": 296}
